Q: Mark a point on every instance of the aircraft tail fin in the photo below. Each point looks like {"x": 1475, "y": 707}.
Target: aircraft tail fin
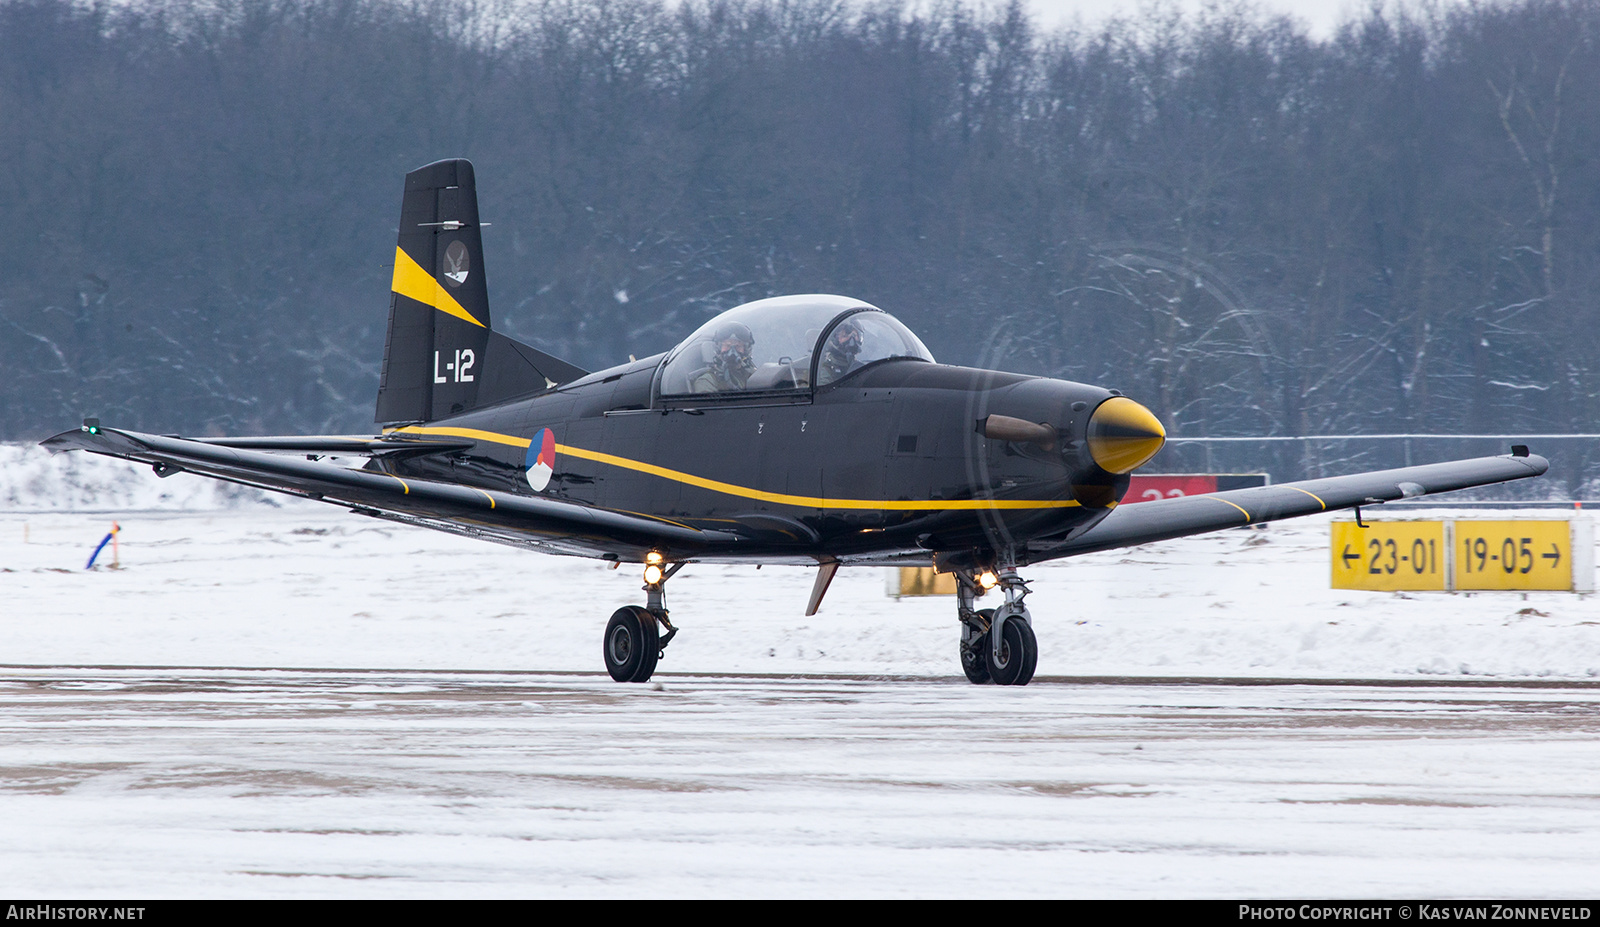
{"x": 440, "y": 357}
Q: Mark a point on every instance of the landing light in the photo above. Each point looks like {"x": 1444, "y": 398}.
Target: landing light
{"x": 652, "y": 573}
{"x": 653, "y": 557}
{"x": 987, "y": 580}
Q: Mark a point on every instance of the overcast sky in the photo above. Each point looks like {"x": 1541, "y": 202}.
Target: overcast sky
{"x": 1320, "y": 15}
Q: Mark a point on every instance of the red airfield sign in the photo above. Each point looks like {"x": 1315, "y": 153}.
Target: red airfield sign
{"x": 1152, "y": 486}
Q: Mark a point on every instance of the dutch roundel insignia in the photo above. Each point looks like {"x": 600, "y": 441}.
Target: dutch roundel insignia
{"x": 541, "y": 460}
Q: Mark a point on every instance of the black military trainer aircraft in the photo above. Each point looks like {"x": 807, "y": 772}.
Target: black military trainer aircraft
{"x": 810, "y": 430}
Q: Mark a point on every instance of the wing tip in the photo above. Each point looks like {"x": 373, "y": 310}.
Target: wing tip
{"x": 1520, "y": 453}
{"x": 78, "y": 439}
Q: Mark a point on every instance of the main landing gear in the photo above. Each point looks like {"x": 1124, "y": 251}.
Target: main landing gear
{"x": 997, "y": 644}
{"x": 633, "y": 641}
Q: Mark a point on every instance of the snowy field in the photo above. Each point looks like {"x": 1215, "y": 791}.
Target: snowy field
{"x": 270, "y": 784}
{"x": 216, "y": 747}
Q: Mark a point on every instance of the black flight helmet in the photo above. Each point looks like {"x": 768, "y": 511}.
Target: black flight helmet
{"x": 844, "y": 343}
{"x": 733, "y": 341}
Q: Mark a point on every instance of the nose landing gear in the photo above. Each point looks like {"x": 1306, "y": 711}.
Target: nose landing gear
{"x": 997, "y": 644}
{"x": 633, "y": 642}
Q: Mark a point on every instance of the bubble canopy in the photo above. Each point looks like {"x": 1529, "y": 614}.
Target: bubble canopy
{"x": 786, "y": 343}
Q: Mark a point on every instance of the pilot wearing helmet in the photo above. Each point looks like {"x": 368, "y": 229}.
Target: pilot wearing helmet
{"x": 731, "y": 363}
{"x": 840, "y": 351}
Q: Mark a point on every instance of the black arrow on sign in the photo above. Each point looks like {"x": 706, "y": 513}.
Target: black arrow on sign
{"x": 1349, "y": 556}
{"x": 1554, "y": 556}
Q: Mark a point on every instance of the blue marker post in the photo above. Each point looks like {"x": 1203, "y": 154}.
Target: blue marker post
{"x": 110, "y": 536}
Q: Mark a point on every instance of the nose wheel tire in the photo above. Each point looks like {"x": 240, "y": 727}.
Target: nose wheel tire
{"x": 632, "y": 644}
{"x": 1019, "y": 655}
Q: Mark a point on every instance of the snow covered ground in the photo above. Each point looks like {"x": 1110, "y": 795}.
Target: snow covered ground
{"x": 34, "y": 480}
{"x": 310, "y": 586}
{"x": 270, "y": 784}
{"x": 486, "y": 753}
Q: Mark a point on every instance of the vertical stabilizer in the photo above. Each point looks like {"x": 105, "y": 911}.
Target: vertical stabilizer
{"x": 440, "y": 358}
{"x": 439, "y": 308}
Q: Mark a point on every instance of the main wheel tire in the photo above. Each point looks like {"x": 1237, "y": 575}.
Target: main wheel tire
{"x": 975, "y": 660}
{"x": 1019, "y": 654}
{"x": 632, "y": 644}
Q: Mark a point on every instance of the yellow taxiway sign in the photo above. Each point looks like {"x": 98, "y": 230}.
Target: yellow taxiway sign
{"x": 1519, "y": 555}
{"x": 1465, "y": 555}
{"x": 1390, "y": 555}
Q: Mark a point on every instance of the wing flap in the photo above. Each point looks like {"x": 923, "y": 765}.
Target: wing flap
{"x": 554, "y": 523}
{"x": 335, "y": 445}
{"x": 1165, "y": 519}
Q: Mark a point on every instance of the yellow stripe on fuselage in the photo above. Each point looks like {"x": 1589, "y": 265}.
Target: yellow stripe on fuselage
{"x": 412, "y": 281}
{"x": 812, "y": 502}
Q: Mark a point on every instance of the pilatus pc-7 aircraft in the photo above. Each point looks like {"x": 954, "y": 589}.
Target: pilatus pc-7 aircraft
{"x": 803, "y": 430}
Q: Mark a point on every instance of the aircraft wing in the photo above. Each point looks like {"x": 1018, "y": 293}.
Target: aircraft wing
{"x": 538, "y": 522}
{"x": 1161, "y": 520}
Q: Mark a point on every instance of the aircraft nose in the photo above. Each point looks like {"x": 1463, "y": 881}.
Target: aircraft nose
{"x": 1124, "y": 435}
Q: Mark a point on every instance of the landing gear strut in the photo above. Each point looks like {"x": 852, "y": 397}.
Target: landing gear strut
{"x": 634, "y": 642}
{"x": 997, "y": 644}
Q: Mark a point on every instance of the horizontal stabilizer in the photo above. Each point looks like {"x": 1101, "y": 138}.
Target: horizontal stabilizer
{"x": 1164, "y": 519}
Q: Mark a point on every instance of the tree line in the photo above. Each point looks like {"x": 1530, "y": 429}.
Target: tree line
{"x": 1254, "y": 232}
